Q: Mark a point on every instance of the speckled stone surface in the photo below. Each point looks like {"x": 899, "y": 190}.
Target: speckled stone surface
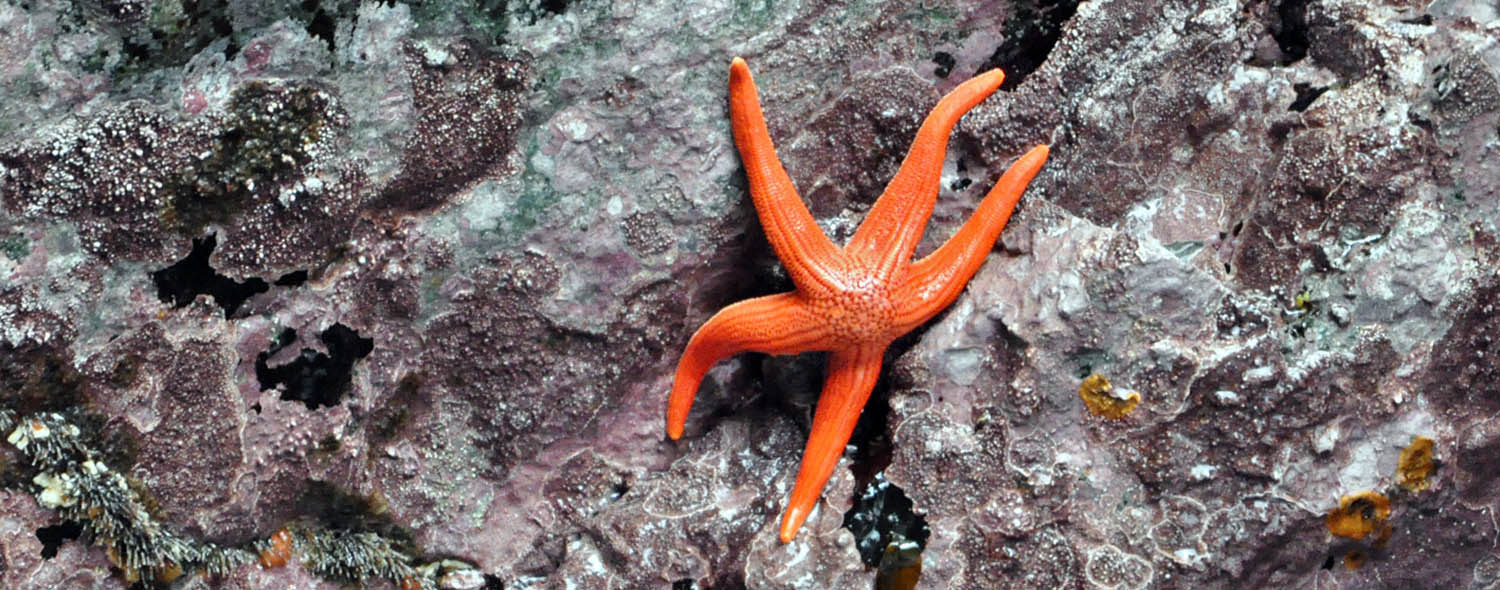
{"x": 1274, "y": 220}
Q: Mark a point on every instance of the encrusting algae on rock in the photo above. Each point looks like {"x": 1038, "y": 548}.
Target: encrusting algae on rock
{"x": 1104, "y": 400}
{"x": 1360, "y": 514}
{"x": 1415, "y": 465}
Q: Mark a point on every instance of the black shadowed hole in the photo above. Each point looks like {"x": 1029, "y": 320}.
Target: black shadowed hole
{"x": 555, "y": 6}
{"x": 1290, "y": 29}
{"x": 138, "y": 51}
{"x": 291, "y": 279}
{"x": 685, "y": 584}
{"x": 881, "y": 517}
{"x": 492, "y": 582}
{"x": 1424, "y": 20}
{"x": 1419, "y": 121}
{"x": 1030, "y": 34}
{"x": 945, "y": 63}
{"x": 872, "y": 445}
{"x": 322, "y": 24}
{"x": 1306, "y": 94}
{"x": 186, "y": 279}
{"x": 314, "y": 378}
{"x": 52, "y": 537}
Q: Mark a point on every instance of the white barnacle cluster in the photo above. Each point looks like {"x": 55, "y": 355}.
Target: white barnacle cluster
{"x": 46, "y": 439}
{"x": 74, "y": 481}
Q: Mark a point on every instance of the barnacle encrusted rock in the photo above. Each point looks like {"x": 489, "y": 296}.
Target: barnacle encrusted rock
{"x": 75, "y": 482}
{"x": 1277, "y": 220}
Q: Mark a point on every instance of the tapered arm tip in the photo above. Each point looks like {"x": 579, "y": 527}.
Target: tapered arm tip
{"x": 791, "y": 522}
{"x": 991, "y": 79}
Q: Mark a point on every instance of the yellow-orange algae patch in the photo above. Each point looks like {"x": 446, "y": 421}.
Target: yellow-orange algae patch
{"x": 1360, "y": 514}
{"x": 1415, "y": 464}
{"x": 278, "y": 551}
{"x": 1104, "y": 400}
{"x": 900, "y": 567}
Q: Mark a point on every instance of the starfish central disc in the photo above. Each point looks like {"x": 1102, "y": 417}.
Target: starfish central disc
{"x": 851, "y": 301}
{"x": 861, "y": 312}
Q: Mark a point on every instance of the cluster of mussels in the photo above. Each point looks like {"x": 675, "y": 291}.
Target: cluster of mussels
{"x": 73, "y": 479}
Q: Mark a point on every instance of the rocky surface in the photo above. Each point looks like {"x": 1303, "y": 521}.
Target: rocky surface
{"x": 1273, "y": 220}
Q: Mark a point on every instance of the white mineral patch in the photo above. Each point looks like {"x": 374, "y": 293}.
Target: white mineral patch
{"x": 1261, "y": 373}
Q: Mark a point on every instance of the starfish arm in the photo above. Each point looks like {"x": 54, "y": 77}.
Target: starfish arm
{"x": 789, "y": 226}
{"x": 775, "y": 324}
{"x": 851, "y": 378}
{"x": 935, "y": 281}
{"x": 894, "y": 225}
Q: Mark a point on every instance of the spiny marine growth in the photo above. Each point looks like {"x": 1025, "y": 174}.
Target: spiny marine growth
{"x": 74, "y": 480}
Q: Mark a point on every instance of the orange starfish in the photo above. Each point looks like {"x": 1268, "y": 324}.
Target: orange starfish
{"x": 852, "y": 301}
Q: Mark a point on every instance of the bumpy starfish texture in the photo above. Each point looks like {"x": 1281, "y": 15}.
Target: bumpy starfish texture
{"x": 851, "y": 301}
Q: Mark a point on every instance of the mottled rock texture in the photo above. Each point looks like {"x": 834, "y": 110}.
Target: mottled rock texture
{"x": 1275, "y": 220}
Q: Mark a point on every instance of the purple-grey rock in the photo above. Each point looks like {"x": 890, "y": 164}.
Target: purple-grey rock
{"x": 1274, "y": 221}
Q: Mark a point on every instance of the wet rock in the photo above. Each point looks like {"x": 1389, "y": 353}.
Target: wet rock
{"x": 1275, "y": 222}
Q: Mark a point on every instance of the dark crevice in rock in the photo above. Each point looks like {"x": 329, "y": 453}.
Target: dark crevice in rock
{"x": 136, "y": 51}
{"x": 1030, "y": 34}
{"x": 963, "y": 181}
{"x": 945, "y": 62}
{"x": 1306, "y": 94}
{"x": 555, "y": 6}
{"x": 314, "y": 378}
{"x": 322, "y": 24}
{"x": 1290, "y": 30}
{"x": 52, "y": 537}
{"x": 186, "y": 279}
{"x": 887, "y": 531}
{"x": 872, "y": 444}
{"x": 291, "y": 279}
